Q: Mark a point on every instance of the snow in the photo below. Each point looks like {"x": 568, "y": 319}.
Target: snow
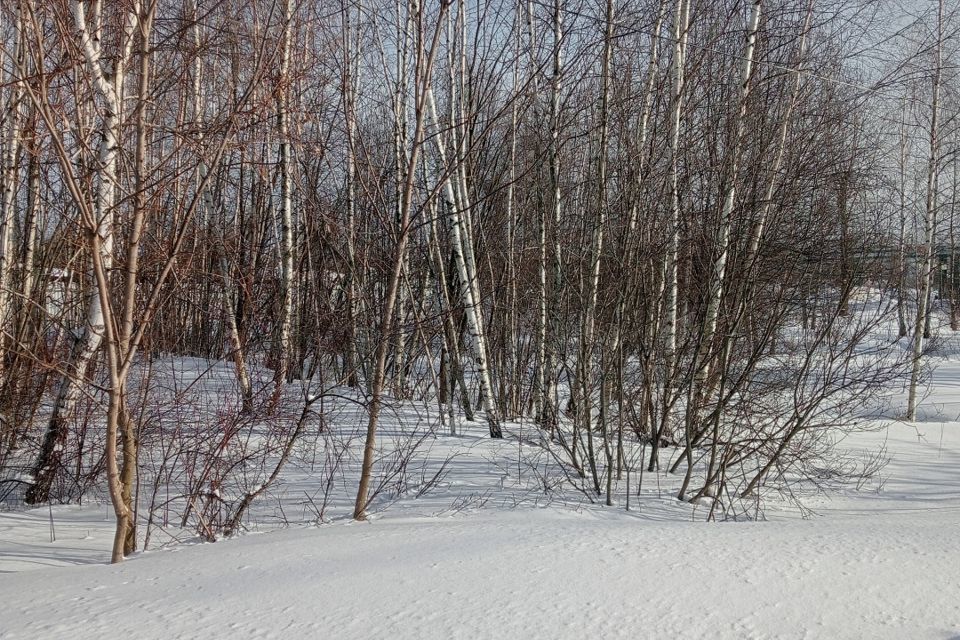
{"x": 484, "y": 555}
{"x": 539, "y": 573}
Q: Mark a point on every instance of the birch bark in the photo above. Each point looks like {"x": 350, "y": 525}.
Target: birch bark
{"x": 929, "y": 220}
{"x": 286, "y": 205}
{"x": 466, "y": 270}
{"x": 10, "y": 125}
{"x": 100, "y": 230}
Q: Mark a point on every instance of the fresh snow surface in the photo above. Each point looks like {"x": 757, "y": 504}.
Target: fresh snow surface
{"x": 523, "y": 574}
{"x": 881, "y": 560}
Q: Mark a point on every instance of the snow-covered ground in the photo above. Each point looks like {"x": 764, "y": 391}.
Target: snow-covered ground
{"x": 486, "y": 551}
{"x": 523, "y": 574}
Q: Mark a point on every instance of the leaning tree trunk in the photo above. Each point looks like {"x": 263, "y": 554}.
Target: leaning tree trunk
{"x": 425, "y": 59}
{"x": 101, "y": 230}
{"x": 466, "y": 271}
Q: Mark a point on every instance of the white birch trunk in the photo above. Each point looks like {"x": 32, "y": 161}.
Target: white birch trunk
{"x": 466, "y": 270}
{"x": 401, "y": 160}
{"x": 901, "y": 236}
{"x": 286, "y": 205}
{"x": 101, "y": 228}
{"x": 929, "y": 221}
{"x": 511, "y": 368}
{"x": 718, "y": 272}
{"x": 29, "y": 242}
{"x": 671, "y": 259}
{"x": 673, "y": 247}
{"x": 550, "y": 299}
{"x": 596, "y": 249}
{"x": 9, "y": 175}
{"x": 349, "y": 105}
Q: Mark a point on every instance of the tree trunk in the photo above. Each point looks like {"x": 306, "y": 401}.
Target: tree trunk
{"x": 929, "y": 222}
{"x": 11, "y": 114}
{"x": 286, "y": 207}
{"x": 466, "y": 270}
{"x": 100, "y": 233}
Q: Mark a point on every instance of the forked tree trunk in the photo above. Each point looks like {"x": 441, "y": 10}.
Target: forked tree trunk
{"x": 100, "y": 231}
{"x": 466, "y": 270}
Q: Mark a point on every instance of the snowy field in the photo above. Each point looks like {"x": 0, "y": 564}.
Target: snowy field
{"x": 489, "y": 548}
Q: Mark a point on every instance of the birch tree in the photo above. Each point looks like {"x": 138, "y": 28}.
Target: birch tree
{"x": 288, "y": 292}
{"x": 425, "y": 53}
{"x": 718, "y": 270}
{"x": 595, "y": 227}
{"x": 671, "y": 259}
{"x": 929, "y": 219}
{"x": 461, "y": 241}
{"x": 10, "y": 131}
{"x": 107, "y": 78}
